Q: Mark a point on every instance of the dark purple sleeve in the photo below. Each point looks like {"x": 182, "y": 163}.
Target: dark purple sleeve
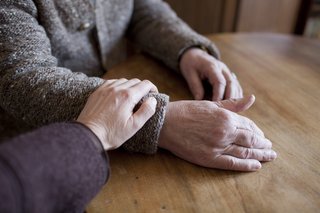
{"x": 57, "y": 168}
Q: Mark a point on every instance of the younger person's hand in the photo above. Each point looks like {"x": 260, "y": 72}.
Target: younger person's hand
{"x": 109, "y": 111}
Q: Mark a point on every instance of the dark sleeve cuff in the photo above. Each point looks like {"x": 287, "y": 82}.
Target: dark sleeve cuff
{"x": 97, "y": 143}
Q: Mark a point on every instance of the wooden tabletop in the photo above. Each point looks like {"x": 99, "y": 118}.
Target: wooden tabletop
{"x": 284, "y": 74}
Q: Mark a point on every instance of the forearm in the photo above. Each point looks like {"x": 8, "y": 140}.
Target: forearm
{"x": 158, "y": 31}
{"x": 54, "y": 169}
{"x": 32, "y": 86}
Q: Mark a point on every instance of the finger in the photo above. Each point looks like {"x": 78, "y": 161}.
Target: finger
{"x": 237, "y": 105}
{"x": 230, "y": 86}
{"x": 107, "y": 82}
{"x": 233, "y": 89}
{"x": 239, "y": 91}
{"x": 118, "y": 82}
{"x": 128, "y": 84}
{"x": 217, "y": 81}
{"x": 219, "y": 87}
{"x": 195, "y": 85}
{"x": 249, "y": 139}
{"x": 247, "y": 124}
{"x": 228, "y": 162}
{"x": 141, "y": 89}
{"x": 248, "y": 153}
{"x": 144, "y": 113}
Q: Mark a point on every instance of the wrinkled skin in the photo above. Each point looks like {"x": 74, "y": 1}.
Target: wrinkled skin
{"x": 211, "y": 134}
{"x": 196, "y": 65}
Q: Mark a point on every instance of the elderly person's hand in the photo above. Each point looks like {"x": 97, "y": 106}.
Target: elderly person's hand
{"x": 110, "y": 111}
{"x": 196, "y": 65}
{"x": 210, "y": 134}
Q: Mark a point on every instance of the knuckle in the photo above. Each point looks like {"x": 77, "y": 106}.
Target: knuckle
{"x": 221, "y": 133}
{"x": 125, "y": 94}
{"x": 221, "y": 81}
{"x": 242, "y": 136}
{"x": 136, "y": 79}
{"x": 214, "y": 65}
{"x": 113, "y": 90}
{"x": 253, "y": 141}
{"x": 226, "y": 118}
{"x": 147, "y": 81}
{"x": 231, "y": 163}
{"x": 246, "y": 153}
{"x": 226, "y": 127}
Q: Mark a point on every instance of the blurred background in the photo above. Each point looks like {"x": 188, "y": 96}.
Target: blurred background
{"x": 300, "y": 17}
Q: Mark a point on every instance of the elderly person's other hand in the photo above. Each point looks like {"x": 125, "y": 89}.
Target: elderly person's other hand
{"x": 196, "y": 65}
{"x": 110, "y": 111}
{"x": 210, "y": 134}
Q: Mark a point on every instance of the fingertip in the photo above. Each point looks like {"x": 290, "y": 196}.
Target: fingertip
{"x": 153, "y": 102}
{"x": 246, "y": 102}
{"x": 197, "y": 91}
{"x": 274, "y": 155}
{"x": 255, "y": 166}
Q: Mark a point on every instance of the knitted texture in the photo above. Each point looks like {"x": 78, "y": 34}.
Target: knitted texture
{"x": 147, "y": 140}
{"x": 52, "y": 54}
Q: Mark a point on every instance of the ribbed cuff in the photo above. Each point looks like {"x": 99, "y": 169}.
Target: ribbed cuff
{"x": 146, "y": 139}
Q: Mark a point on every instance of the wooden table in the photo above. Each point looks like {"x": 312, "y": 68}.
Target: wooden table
{"x": 284, "y": 74}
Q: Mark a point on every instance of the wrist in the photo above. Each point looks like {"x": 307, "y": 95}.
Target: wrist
{"x": 163, "y": 132}
{"x": 98, "y": 132}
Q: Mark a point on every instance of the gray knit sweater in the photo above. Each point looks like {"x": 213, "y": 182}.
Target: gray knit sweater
{"x": 53, "y": 53}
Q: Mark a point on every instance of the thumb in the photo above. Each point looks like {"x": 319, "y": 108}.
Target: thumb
{"x": 144, "y": 113}
{"x": 237, "y": 105}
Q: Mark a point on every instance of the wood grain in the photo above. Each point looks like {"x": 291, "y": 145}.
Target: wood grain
{"x": 284, "y": 74}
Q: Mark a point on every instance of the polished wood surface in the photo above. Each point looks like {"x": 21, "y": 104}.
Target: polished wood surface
{"x": 284, "y": 74}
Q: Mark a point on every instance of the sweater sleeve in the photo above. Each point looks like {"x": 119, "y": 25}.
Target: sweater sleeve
{"x": 33, "y": 88}
{"x": 32, "y": 85}
{"x": 157, "y": 30}
{"x": 57, "y": 168}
